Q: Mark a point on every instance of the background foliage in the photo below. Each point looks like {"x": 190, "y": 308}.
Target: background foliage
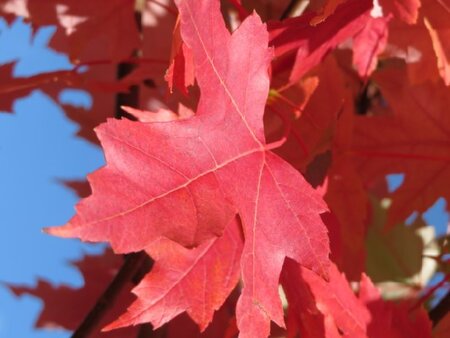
{"x": 360, "y": 93}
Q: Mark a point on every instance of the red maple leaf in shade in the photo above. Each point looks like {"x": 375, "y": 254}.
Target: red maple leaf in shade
{"x": 331, "y": 309}
{"x": 393, "y": 319}
{"x": 318, "y": 145}
{"x": 415, "y": 141}
{"x": 368, "y": 44}
{"x": 406, "y": 10}
{"x": 299, "y": 46}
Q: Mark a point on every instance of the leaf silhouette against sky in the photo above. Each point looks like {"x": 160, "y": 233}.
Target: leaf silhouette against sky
{"x": 84, "y": 24}
{"x": 187, "y": 179}
{"x": 65, "y": 307}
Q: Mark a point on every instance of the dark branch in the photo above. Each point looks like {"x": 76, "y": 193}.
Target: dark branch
{"x": 133, "y": 263}
{"x": 131, "y": 98}
{"x": 440, "y": 310}
{"x": 146, "y": 331}
{"x": 290, "y": 9}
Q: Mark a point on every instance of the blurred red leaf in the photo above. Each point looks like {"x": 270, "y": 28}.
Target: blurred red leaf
{"x": 65, "y": 307}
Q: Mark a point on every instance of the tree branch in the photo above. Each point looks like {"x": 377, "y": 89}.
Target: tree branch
{"x": 133, "y": 262}
{"x": 290, "y": 9}
{"x": 136, "y": 265}
{"x": 440, "y": 310}
{"x": 131, "y": 98}
{"x": 146, "y": 331}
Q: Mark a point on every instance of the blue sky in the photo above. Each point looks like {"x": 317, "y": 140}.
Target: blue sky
{"x": 37, "y": 148}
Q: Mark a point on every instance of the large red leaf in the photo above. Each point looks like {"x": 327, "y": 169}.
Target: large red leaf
{"x": 186, "y": 179}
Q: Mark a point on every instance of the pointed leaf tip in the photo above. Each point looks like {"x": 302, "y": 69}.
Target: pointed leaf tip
{"x": 59, "y": 231}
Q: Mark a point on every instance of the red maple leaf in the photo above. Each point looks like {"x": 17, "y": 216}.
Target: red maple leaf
{"x": 187, "y": 179}
{"x": 300, "y": 46}
{"x": 324, "y": 130}
{"x": 368, "y": 44}
{"x": 415, "y": 141}
{"x": 321, "y": 308}
{"x": 406, "y": 10}
{"x": 424, "y": 46}
{"x": 331, "y": 309}
{"x": 393, "y": 319}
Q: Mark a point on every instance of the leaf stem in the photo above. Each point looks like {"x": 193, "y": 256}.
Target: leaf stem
{"x": 133, "y": 60}
{"x": 430, "y": 291}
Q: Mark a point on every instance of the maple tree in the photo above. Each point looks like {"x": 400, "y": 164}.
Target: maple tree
{"x": 247, "y": 146}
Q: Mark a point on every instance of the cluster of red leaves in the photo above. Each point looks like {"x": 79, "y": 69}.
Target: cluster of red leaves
{"x": 260, "y": 169}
